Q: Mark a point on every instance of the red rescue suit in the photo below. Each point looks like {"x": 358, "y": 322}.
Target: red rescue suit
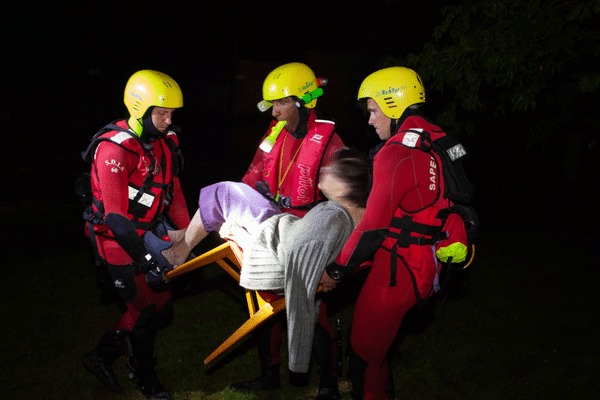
{"x": 407, "y": 188}
{"x": 291, "y": 173}
{"x": 291, "y": 170}
{"x": 136, "y": 180}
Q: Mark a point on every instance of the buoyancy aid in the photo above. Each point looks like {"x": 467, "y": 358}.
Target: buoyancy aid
{"x": 150, "y": 183}
{"x": 438, "y": 225}
{"x": 302, "y": 193}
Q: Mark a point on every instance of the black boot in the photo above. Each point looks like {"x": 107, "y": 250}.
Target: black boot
{"x": 328, "y": 387}
{"x": 151, "y": 387}
{"x": 330, "y": 392}
{"x": 100, "y": 360}
{"x": 142, "y": 366}
{"x": 299, "y": 379}
{"x": 269, "y": 375}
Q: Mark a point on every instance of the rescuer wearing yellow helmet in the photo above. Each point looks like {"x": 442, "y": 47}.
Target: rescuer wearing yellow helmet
{"x": 135, "y": 166}
{"x": 392, "y": 90}
{"x": 406, "y": 220}
{"x": 152, "y": 91}
{"x": 286, "y": 169}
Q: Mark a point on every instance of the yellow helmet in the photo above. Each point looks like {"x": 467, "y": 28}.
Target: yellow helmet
{"x": 394, "y": 89}
{"x": 292, "y": 80}
{"x": 149, "y": 88}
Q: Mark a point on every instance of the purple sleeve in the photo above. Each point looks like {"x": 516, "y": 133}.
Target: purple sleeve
{"x": 234, "y": 201}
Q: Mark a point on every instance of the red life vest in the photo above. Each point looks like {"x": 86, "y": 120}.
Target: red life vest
{"x": 302, "y": 193}
{"x": 427, "y": 214}
{"x": 432, "y": 226}
{"x": 150, "y": 183}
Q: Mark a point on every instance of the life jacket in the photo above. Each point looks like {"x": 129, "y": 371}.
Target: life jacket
{"x": 302, "y": 193}
{"x": 150, "y": 184}
{"x": 448, "y": 223}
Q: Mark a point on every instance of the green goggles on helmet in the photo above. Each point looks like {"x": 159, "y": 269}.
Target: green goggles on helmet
{"x": 264, "y": 105}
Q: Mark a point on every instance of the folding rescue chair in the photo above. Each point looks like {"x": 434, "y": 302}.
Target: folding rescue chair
{"x": 229, "y": 257}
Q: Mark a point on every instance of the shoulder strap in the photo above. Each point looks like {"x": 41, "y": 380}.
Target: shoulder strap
{"x": 176, "y": 155}
{"x": 87, "y": 155}
{"x": 451, "y": 153}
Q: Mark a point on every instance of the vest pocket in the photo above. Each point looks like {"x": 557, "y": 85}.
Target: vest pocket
{"x": 140, "y": 201}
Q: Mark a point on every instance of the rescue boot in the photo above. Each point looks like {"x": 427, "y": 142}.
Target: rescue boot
{"x": 100, "y": 360}
{"x": 328, "y": 392}
{"x": 299, "y": 379}
{"x": 142, "y": 366}
{"x": 328, "y": 389}
{"x": 269, "y": 371}
{"x": 150, "y": 386}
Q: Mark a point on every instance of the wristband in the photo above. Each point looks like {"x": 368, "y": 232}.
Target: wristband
{"x": 334, "y": 271}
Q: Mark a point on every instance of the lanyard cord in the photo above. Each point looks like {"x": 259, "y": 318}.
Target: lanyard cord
{"x": 280, "y": 178}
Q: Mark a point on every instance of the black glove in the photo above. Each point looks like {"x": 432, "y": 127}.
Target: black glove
{"x": 155, "y": 248}
{"x": 155, "y": 273}
{"x": 262, "y": 187}
{"x": 335, "y": 271}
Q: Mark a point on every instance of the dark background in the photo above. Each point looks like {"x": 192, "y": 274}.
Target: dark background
{"x": 525, "y": 326}
{"x": 65, "y": 66}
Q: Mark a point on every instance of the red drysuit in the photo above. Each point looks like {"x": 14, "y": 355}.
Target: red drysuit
{"x": 136, "y": 180}
{"x": 407, "y": 188}
{"x": 289, "y": 174}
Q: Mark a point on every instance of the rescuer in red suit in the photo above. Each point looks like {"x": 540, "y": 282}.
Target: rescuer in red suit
{"x": 286, "y": 169}
{"x": 135, "y": 185}
{"x": 398, "y": 229}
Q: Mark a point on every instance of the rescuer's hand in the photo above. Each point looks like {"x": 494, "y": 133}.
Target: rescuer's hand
{"x": 328, "y": 282}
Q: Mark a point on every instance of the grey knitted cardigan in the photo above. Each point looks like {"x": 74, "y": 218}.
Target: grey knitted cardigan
{"x": 291, "y": 253}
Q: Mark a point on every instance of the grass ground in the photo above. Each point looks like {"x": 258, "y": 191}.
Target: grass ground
{"x": 521, "y": 323}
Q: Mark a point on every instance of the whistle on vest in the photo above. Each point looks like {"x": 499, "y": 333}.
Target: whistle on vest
{"x": 269, "y": 142}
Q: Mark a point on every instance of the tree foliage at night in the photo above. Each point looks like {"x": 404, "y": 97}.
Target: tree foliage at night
{"x": 495, "y": 59}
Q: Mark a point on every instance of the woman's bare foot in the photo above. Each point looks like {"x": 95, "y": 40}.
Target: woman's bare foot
{"x": 176, "y": 236}
{"x": 179, "y": 252}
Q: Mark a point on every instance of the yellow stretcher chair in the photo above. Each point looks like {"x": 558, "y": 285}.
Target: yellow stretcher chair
{"x": 229, "y": 257}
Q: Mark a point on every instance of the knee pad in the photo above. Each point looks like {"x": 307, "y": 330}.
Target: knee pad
{"x": 129, "y": 339}
{"x": 123, "y": 281}
{"x": 140, "y": 353}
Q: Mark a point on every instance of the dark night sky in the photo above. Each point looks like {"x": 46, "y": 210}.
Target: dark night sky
{"x": 64, "y": 69}
{"x": 67, "y": 65}
{"x": 54, "y": 47}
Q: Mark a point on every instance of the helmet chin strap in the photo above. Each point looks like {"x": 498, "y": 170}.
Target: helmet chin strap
{"x": 393, "y": 127}
{"x": 395, "y": 124}
{"x": 302, "y": 127}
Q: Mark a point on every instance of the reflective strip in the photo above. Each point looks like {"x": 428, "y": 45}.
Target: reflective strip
{"x": 410, "y": 139}
{"x": 325, "y": 121}
{"x": 121, "y": 137}
{"x": 456, "y": 152}
{"x": 146, "y": 199}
